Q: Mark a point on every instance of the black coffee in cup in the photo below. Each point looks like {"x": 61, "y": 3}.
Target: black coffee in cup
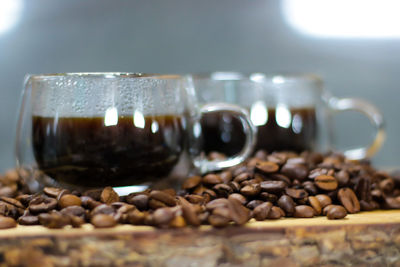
{"x": 293, "y": 129}
{"x": 84, "y": 151}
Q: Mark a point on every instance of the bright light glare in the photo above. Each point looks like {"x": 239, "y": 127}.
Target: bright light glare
{"x": 344, "y": 18}
{"x": 111, "y": 117}
{"x": 138, "y": 119}
{"x": 10, "y": 12}
{"x": 283, "y": 116}
{"x": 259, "y": 113}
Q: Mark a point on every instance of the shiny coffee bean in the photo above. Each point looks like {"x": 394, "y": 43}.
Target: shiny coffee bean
{"x": 336, "y": 212}
{"x": 349, "y": 200}
{"x": 103, "y": 221}
{"x": 303, "y": 211}
{"x": 69, "y": 200}
{"x": 326, "y": 182}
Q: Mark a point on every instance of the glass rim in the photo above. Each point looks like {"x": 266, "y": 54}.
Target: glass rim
{"x": 106, "y": 75}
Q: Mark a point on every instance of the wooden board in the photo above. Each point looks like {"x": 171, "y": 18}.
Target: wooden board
{"x": 364, "y": 238}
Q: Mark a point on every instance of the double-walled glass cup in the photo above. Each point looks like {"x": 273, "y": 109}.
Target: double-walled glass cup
{"x": 84, "y": 130}
{"x": 291, "y": 112}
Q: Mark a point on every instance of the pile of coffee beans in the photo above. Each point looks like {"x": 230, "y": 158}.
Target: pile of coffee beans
{"x": 265, "y": 187}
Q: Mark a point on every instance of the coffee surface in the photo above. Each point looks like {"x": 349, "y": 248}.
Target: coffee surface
{"x": 295, "y": 130}
{"x": 86, "y": 152}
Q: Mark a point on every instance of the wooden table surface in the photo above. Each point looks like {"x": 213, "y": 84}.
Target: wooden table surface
{"x": 368, "y": 238}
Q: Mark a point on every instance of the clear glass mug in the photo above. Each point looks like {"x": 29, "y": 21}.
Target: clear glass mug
{"x": 84, "y": 130}
{"x": 291, "y": 112}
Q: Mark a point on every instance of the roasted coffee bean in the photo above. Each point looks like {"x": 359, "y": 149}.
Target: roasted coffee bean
{"x": 76, "y": 221}
{"x": 219, "y": 202}
{"x": 140, "y": 201}
{"x": 349, "y": 200}
{"x": 163, "y": 197}
{"x": 163, "y": 216}
{"x": 238, "y": 197}
{"x": 336, "y": 212}
{"x": 296, "y": 193}
{"x": 42, "y": 204}
{"x": 222, "y": 190}
{"x": 155, "y": 204}
{"x": 12, "y": 201}
{"x": 342, "y": 177}
{"x": 254, "y": 203}
{"x": 188, "y": 212}
{"x": 212, "y": 179}
{"x": 177, "y": 222}
{"x": 392, "y": 203}
{"x": 191, "y": 182}
{"x": 235, "y": 186}
{"x": 261, "y": 155}
{"x": 53, "y": 220}
{"x": 267, "y": 167}
{"x": 136, "y": 217}
{"x": 103, "y": 221}
{"x": 209, "y": 192}
{"x": 52, "y": 191}
{"x": 28, "y": 220}
{"x": 273, "y": 187}
{"x": 287, "y": 204}
{"x": 226, "y": 176}
{"x": 239, "y": 213}
{"x": 9, "y": 190}
{"x": 237, "y": 170}
{"x": 242, "y": 177}
{"x": 7, "y": 222}
{"x": 317, "y": 172}
{"x": 93, "y": 193}
{"x": 366, "y": 206}
{"x": 280, "y": 177}
{"x": 303, "y": 211}
{"x": 260, "y": 213}
{"x": 62, "y": 193}
{"x": 295, "y": 171}
{"x": 25, "y": 199}
{"x": 218, "y": 221}
{"x": 69, "y": 200}
{"x": 74, "y": 211}
{"x": 278, "y": 158}
{"x": 387, "y": 185}
{"x": 108, "y": 195}
{"x": 268, "y": 197}
{"x": 276, "y": 213}
{"x": 315, "y": 204}
{"x": 250, "y": 190}
{"x": 310, "y": 188}
{"x": 296, "y": 161}
{"x": 102, "y": 209}
{"x": 225, "y": 212}
{"x": 195, "y": 199}
{"x": 326, "y": 182}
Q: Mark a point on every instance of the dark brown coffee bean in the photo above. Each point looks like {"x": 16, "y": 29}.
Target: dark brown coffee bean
{"x": 53, "y": 220}
{"x": 326, "y": 182}
{"x": 310, "y": 187}
{"x": 237, "y": 170}
{"x": 287, "y": 204}
{"x": 140, "y": 201}
{"x": 9, "y": 210}
{"x": 42, "y": 204}
{"x": 278, "y": 158}
{"x": 349, "y": 200}
{"x": 74, "y": 211}
{"x": 212, "y": 179}
{"x": 260, "y": 213}
{"x": 163, "y": 197}
{"x": 13, "y": 201}
{"x": 238, "y": 197}
{"x": 103, "y": 221}
{"x": 62, "y": 193}
{"x": 7, "y": 222}
{"x": 267, "y": 167}
{"x": 93, "y": 193}
{"x": 108, "y": 195}
{"x": 28, "y": 220}
{"x": 296, "y": 193}
{"x": 222, "y": 190}
{"x": 25, "y": 199}
{"x": 342, "y": 177}
{"x": 254, "y": 203}
{"x": 163, "y": 216}
{"x": 317, "y": 172}
{"x": 226, "y": 176}
{"x": 52, "y": 191}
{"x": 195, "y": 199}
{"x": 295, "y": 171}
{"x": 366, "y": 206}
{"x": 392, "y": 203}
{"x": 280, "y": 177}
{"x": 336, "y": 212}
{"x": 191, "y": 182}
{"x": 9, "y": 190}
{"x": 225, "y": 212}
{"x": 235, "y": 186}
{"x": 239, "y": 213}
{"x": 268, "y": 197}
{"x": 275, "y": 213}
{"x": 135, "y": 217}
{"x": 219, "y": 202}
{"x": 209, "y": 192}
{"x": 102, "y": 209}
{"x": 324, "y": 200}
{"x": 242, "y": 177}
{"x": 273, "y": 187}
{"x": 387, "y": 185}
{"x": 76, "y": 221}
{"x": 261, "y": 155}
{"x": 69, "y": 200}
{"x": 218, "y": 221}
{"x": 188, "y": 212}
{"x": 250, "y": 190}
{"x": 315, "y": 204}
{"x": 303, "y": 211}
{"x": 252, "y": 162}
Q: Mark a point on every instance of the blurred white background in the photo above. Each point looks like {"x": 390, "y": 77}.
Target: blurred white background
{"x": 354, "y": 45}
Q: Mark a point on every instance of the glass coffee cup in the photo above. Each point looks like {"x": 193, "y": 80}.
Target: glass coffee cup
{"x": 291, "y": 112}
{"x": 87, "y": 130}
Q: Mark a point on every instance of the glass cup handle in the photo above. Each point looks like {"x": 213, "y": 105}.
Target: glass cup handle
{"x": 250, "y": 130}
{"x": 375, "y": 117}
